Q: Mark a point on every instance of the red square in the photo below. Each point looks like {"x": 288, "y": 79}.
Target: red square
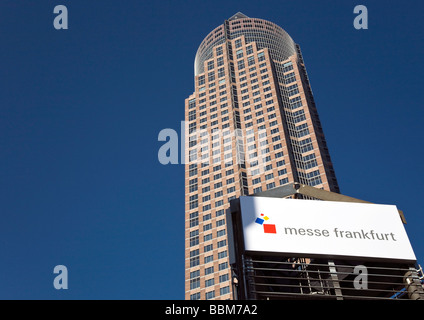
{"x": 269, "y": 228}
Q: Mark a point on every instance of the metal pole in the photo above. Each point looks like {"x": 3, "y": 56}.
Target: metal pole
{"x": 413, "y": 285}
{"x": 249, "y": 278}
{"x": 335, "y": 280}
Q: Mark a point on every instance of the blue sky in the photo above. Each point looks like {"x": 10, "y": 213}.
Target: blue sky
{"x": 81, "y": 109}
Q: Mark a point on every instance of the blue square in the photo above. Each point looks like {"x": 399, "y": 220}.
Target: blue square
{"x": 259, "y": 220}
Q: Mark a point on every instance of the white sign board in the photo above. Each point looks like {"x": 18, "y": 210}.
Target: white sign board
{"x": 313, "y": 227}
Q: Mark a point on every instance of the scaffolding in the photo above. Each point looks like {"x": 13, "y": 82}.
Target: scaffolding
{"x": 258, "y": 276}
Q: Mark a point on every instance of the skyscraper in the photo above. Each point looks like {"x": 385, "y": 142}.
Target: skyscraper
{"x": 251, "y": 125}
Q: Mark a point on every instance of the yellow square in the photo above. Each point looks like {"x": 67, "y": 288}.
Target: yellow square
{"x": 266, "y": 218}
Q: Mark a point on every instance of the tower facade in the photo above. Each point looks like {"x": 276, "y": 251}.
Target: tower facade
{"x": 251, "y": 125}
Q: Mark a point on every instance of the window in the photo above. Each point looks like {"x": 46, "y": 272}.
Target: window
{"x": 194, "y": 261}
{"x": 270, "y": 185}
{"x": 306, "y": 145}
{"x": 296, "y": 103}
{"x": 299, "y": 116}
{"x": 223, "y": 266}
{"x": 265, "y": 151}
{"x": 206, "y": 180}
{"x": 315, "y": 181}
{"x": 219, "y": 212}
{"x": 261, "y": 56}
{"x": 224, "y": 290}
{"x": 210, "y": 65}
{"x": 209, "y": 282}
{"x": 219, "y": 51}
{"x": 207, "y": 237}
{"x": 220, "y": 61}
{"x": 284, "y": 181}
{"x": 194, "y": 222}
{"x": 219, "y": 203}
{"x": 222, "y": 243}
{"x": 302, "y": 130}
{"x": 194, "y": 240}
{"x": 287, "y": 67}
{"x": 217, "y": 176}
{"x": 231, "y": 180}
{"x": 223, "y": 277}
{"x": 292, "y": 90}
{"x": 195, "y": 296}
{"x": 194, "y": 283}
{"x": 220, "y": 222}
{"x": 192, "y": 104}
{"x": 240, "y": 64}
{"x": 281, "y": 163}
{"x": 222, "y": 254}
{"x": 210, "y": 295}
{"x": 282, "y": 172}
{"x": 269, "y": 176}
{"x": 192, "y": 115}
{"x": 218, "y": 194}
{"x": 289, "y": 78}
{"x": 193, "y": 204}
{"x": 310, "y": 161}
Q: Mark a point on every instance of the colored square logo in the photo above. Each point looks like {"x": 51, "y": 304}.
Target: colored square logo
{"x": 270, "y": 228}
{"x": 259, "y": 220}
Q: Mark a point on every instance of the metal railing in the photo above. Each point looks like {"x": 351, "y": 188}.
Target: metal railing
{"x": 295, "y": 278}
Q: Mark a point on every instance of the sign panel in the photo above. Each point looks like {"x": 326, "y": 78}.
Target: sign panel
{"x": 313, "y": 227}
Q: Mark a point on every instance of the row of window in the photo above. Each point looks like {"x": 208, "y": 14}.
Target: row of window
{"x": 210, "y": 294}
{"x": 193, "y": 204}
{"x": 194, "y": 217}
{"x": 195, "y": 282}
{"x": 207, "y": 247}
{"x": 194, "y": 237}
{"x": 195, "y": 260}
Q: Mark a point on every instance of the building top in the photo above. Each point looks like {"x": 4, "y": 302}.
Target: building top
{"x": 238, "y": 15}
{"x": 265, "y": 33}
